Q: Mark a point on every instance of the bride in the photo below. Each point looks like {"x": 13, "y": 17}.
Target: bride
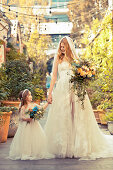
{"x": 71, "y": 130}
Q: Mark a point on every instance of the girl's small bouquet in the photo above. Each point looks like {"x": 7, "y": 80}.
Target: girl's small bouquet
{"x": 36, "y": 113}
{"x": 83, "y": 74}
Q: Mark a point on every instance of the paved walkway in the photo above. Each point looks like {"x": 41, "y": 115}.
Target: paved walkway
{"x": 53, "y": 164}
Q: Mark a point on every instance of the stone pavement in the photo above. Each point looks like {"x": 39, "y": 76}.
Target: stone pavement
{"x": 53, "y": 164}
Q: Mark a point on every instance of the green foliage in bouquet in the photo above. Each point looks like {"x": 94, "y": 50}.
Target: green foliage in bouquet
{"x": 39, "y": 115}
{"x": 83, "y": 73}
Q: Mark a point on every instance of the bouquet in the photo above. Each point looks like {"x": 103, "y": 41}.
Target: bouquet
{"x": 83, "y": 73}
{"x": 36, "y": 113}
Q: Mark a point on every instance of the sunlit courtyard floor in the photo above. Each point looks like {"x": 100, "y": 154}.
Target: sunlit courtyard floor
{"x": 53, "y": 164}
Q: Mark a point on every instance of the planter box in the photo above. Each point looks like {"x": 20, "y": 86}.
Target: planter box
{"x": 11, "y": 103}
{"x": 100, "y": 116}
{"x": 4, "y": 125}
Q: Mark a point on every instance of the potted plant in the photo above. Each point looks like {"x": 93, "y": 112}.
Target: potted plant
{"x": 38, "y": 95}
{"x": 5, "y": 113}
{"x": 109, "y": 119}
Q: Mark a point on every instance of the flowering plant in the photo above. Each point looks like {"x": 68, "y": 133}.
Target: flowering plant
{"x": 36, "y": 113}
{"x": 83, "y": 73}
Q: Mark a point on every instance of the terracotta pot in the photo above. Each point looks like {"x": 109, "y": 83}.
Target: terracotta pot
{"x": 4, "y": 125}
{"x": 11, "y": 103}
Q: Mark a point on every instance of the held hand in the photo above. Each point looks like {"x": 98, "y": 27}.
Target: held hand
{"x": 49, "y": 99}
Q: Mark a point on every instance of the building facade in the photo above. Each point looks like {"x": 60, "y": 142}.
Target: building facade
{"x": 5, "y": 32}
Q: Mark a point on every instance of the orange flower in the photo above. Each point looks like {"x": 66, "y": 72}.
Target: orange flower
{"x": 93, "y": 72}
{"x": 79, "y": 70}
{"x": 83, "y": 73}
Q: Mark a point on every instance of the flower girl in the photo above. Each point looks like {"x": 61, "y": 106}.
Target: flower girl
{"x": 29, "y": 141}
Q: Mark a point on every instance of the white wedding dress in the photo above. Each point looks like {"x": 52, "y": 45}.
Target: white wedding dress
{"x": 29, "y": 142}
{"x": 72, "y": 131}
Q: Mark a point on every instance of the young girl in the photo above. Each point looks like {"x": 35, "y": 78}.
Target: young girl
{"x": 29, "y": 141}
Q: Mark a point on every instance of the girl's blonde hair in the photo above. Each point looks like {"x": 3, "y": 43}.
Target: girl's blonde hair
{"x": 69, "y": 55}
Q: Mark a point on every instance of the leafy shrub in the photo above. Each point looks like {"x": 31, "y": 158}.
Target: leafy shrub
{"x": 18, "y": 77}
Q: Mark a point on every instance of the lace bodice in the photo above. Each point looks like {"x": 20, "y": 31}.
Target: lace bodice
{"x": 64, "y": 68}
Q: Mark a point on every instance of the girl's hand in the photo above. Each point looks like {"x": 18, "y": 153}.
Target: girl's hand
{"x": 49, "y": 99}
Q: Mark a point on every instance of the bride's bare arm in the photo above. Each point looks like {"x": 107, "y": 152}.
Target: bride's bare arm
{"x": 53, "y": 80}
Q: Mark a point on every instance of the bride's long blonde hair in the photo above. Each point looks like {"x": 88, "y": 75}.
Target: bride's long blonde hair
{"x": 69, "y": 55}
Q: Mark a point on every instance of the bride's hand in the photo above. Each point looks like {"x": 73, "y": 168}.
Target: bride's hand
{"x": 49, "y": 99}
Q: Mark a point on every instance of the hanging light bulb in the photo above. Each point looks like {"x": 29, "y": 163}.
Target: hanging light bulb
{"x": 56, "y": 21}
{"x": 50, "y": 11}
{"x": 3, "y": 14}
{"x": 39, "y": 21}
{"x": 16, "y": 14}
{"x": 9, "y": 8}
{"x": 36, "y": 17}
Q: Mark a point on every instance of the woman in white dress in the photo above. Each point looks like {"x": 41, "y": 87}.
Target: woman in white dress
{"x": 71, "y": 130}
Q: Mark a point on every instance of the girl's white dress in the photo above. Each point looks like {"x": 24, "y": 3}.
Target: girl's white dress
{"x": 72, "y": 131}
{"x": 29, "y": 141}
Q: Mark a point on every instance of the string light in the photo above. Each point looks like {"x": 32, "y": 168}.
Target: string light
{"x": 47, "y": 7}
{"x": 3, "y": 14}
{"x": 56, "y": 20}
{"x": 36, "y": 17}
{"x": 62, "y": 16}
{"x": 9, "y": 8}
{"x": 50, "y": 11}
{"x": 16, "y": 14}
